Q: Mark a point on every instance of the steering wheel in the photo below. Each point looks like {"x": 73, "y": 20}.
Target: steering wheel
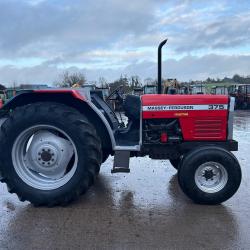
{"x": 118, "y": 92}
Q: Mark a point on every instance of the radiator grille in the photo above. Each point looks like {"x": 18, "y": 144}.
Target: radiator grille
{"x": 208, "y": 128}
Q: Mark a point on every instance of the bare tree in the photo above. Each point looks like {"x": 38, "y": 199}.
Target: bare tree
{"x": 71, "y": 80}
{"x": 102, "y": 82}
{"x": 135, "y": 81}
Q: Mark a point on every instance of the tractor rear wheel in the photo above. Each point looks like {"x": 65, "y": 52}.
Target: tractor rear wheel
{"x": 50, "y": 153}
{"x": 105, "y": 156}
{"x": 209, "y": 175}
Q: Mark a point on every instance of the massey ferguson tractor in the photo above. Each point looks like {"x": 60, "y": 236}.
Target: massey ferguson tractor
{"x": 53, "y": 141}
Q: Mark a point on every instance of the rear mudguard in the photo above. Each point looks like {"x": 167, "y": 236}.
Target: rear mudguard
{"x": 75, "y": 98}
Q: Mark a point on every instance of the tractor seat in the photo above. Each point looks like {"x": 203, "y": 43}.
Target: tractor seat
{"x": 132, "y": 107}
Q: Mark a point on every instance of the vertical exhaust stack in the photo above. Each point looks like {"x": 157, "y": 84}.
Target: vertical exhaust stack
{"x": 160, "y": 65}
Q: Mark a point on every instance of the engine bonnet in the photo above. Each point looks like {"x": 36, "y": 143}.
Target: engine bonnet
{"x": 158, "y": 100}
{"x": 201, "y": 117}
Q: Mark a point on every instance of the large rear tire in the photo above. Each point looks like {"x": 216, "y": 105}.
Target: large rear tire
{"x": 209, "y": 175}
{"x": 50, "y": 153}
{"x": 105, "y": 155}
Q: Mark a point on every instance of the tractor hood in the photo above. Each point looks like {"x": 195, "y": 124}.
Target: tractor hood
{"x": 164, "y": 99}
{"x": 201, "y": 117}
{"x": 168, "y": 106}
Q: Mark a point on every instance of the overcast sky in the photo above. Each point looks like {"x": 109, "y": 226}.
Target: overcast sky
{"x": 39, "y": 39}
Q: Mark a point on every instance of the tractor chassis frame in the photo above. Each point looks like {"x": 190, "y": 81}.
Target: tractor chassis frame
{"x": 168, "y": 151}
{"x": 174, "y": 151}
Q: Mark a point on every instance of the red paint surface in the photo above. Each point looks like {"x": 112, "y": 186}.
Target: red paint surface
{"x": 210, "y": 128}
{"x": 164, "y": 137}
{"x": 148, "y": 100}
{"x": 196, "y": 125}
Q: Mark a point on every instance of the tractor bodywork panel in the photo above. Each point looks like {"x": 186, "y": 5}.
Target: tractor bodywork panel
{"x": 196, "y": 117}
{"x": 76, "y": 98}
{"x": 201, "y": 117}
{"x": 81, "y": 95}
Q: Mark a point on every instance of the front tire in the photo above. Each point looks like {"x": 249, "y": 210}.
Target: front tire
{"x": 176, "y": 162}
{"x": 50, "y": 153}
{"x": 209, "y": 175}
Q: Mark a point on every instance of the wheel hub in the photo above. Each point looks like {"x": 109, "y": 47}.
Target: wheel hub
{"x": 211, "y": 177}
{"x": 49, "y": 154}
{"x": 208, "y": 174}
{"x": 44, "y": 157}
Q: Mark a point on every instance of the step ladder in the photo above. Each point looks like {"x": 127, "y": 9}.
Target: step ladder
{"x": 121, "y": 162}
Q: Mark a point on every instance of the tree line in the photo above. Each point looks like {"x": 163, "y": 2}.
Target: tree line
{"x": 78, "y": 79}
{"x": 235, "y": 79}
{"x": 69, "y": 80}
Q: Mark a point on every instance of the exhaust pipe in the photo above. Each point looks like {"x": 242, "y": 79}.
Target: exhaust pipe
{"x": 160, "y": 65}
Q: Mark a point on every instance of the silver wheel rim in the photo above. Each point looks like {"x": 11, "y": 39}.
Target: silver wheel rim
{"x": 44, "y": 157}
{"x": 211, "y": 177}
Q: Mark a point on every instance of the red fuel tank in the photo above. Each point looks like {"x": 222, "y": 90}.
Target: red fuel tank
{"x": 201, "y": 117}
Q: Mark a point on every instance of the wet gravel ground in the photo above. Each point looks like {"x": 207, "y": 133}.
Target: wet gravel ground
{"x": 141, "y": 210}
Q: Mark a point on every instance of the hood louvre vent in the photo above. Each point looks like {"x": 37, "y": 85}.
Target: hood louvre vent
{"x": 208, "y": 128}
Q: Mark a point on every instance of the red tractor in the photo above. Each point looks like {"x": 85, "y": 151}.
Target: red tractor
{"x": 54, "y": 141}
{"x": 241, "y": 93}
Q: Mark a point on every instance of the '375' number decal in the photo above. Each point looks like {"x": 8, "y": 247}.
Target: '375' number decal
{"x": 216, "y": 106}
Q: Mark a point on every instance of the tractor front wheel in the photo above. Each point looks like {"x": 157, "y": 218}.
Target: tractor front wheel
{"x": 175, "y": 162}
{"x": 50, "y": 153}
{"x": 209, "y": 175}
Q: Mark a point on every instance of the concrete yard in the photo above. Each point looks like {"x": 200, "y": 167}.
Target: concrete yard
{"x": 141, "y": 210}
